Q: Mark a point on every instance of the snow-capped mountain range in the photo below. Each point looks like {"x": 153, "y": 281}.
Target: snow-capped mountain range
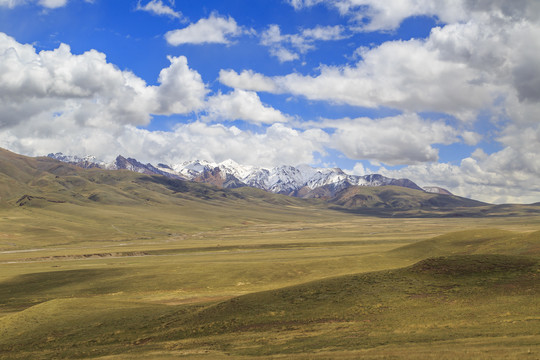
{"x": 301, "y": 181}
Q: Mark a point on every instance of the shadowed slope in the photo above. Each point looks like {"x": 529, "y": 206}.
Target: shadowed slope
{"x": 399, "y": 199}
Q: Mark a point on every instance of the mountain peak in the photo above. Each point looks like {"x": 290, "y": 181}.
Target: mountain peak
{"x": 302, "y": 180}
{"x": 87, "y": 161}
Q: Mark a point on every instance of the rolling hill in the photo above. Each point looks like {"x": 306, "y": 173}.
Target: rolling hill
{"x": 407, "y": 313}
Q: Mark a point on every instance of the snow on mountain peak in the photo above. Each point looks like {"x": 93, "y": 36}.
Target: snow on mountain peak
{"x": 285, "y": 179}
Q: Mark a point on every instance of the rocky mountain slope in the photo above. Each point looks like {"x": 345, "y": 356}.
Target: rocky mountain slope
{"x": 300, "y": 181}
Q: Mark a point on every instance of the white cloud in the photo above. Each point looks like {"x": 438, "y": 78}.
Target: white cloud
{"x": 247, "y": 80}
{"x": 487, "y": 62}
{"x": 181, "y": 89}
{"x": 374, "y": 15}
{"x": 508, "y": 175}
{"x": 359, "y": 169}
{"x": 482, "y": 58}
{"x": 403, "y": 139}
{"x": 283, "y": 54}
{"x": 80, "y": 104}
{"x": 471, "y": 138}
{"x": 470, "y": 179}
{"x": 481, "y": 62}
{"x": 277, "y": 145}
{"x": 157, "y": 7}
{"x": 273, "y": 38}
{"x": 242, "y": 105}
{"x": 215, "y": 29}
{"x": 324, "y": 33}
{"x": 287, "y": 47}
{"x": 87, "y": 89}
{"x": 403, "y": 75}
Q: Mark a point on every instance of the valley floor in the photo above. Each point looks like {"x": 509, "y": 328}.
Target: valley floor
{"x": 303, "y": 284}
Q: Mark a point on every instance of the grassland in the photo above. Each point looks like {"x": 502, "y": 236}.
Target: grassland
{"x": 201, "y": 273}
{"x": 306, "y": 282}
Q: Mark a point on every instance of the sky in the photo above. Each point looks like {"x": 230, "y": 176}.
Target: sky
{"x": 443, "y": 92}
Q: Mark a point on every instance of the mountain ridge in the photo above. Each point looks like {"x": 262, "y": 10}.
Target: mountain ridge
{"x": 44, "y": 182}
{"x": 299, "y": 181}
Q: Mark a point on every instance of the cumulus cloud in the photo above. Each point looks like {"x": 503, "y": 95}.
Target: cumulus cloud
{"x": 485, "y": 62}
{"x": 471, "y": 137}
{"x": 480, "y": 62}
{"x": 215, "y": 29}
{"x": 406, "y": 75}
{"x": 359, "y": 169}
{"x": 403, "y": 139}
{"x": 88, "y": 89}
{"x": 181, "y": 89}
{"x": 242, "y": 105}
{"x": 276, "y": 145}
{"x": 374, "y": 15}
{"x": 287, "y": 47}
{"x": 80, "y": 104}
{"x": 248, "y": 80}
{"x": 324, "y": 33}
{"x": 508, "y": 175}
{"x": 283, "y": 54}
{"x": 157, "y": 7}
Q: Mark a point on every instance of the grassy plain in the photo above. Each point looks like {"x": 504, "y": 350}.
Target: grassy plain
{"x": 263, "y": 280}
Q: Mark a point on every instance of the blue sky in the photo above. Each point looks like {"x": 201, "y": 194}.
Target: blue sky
{"x": 442, "y": 92}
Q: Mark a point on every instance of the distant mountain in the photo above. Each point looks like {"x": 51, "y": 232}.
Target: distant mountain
{"x": 46, "y": 182}
{"x": 120, "y": 163}
{"x": 43, "y": 182}
{"x": 393, "y": 198}
{"x": 86, "y": 162}
{"x": 300, "y": 181}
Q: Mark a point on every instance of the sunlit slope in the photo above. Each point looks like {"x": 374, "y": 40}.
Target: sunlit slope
{"x": 487, "y": 299}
